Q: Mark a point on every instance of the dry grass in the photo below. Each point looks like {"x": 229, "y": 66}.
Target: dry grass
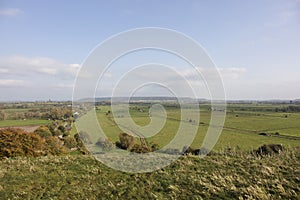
{"x": 220, "y": 176}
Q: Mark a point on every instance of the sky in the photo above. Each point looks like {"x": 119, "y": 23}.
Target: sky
{"x": 254, "y": 44}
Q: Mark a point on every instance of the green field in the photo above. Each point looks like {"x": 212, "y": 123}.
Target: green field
{"x": 29, "y": 122}
{"x": 241, "y": 129}
{"x": 232, "y": 171}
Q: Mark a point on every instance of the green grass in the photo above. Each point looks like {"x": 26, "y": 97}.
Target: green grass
{"x": 238, "y": 176}
{"x": 241, "y": 128}
{"x": 223, "y": 175}
{"x": 28, "y": 122}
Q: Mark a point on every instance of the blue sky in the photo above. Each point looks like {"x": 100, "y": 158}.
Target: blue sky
{"x": 255, "y": 44}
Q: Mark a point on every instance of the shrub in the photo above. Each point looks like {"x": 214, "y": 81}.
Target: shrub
{"x": 43, "y": 131}
{"x": 16, "y": 142}
{"x": 137, "y": 148}
{"x": 105, "y": 144}
{"x": 269, "y": 149}
{"x": 154, "y": 146}
{"x": 171, "y": 151}
{"x": 85, "y": 137}
{"x": 70, "y": 142}
{"x": 190, "y": 151}
{"x": 80, "y": 145}
{"x": 187, "y": 150}
{"x": 126, "y": 141}
{"x": 61, "y": 128}
{"x": 55, "y": 146}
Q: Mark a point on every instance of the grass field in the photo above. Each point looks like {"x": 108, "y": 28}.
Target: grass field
{"x": 225, "y": 174}
{"x": 241, "y": 129}
{"x": 238, "y": 176}
{"x": 29, "y": 122}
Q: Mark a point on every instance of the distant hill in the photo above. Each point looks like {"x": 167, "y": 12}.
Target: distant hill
{"x": 185, "y": 99}
{"x": 142, "y": 99}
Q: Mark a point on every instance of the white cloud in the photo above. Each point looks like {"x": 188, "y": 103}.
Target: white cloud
{"x": 13, "y": 82}
{"x": 172, "y": 79}
{"x": 63, "y": 86}
{"x": 10, "y": 11}
{"x": 232, "y": 72}
{"x": 31, "y": 66}
{"x": 209, "y": 73}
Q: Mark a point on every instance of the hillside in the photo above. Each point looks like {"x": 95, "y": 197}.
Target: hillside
{"x": 221, "y": 176}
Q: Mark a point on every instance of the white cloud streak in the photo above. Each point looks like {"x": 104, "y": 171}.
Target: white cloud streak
{"x": 31, "y": 66}
{"x": 13, "y": 83}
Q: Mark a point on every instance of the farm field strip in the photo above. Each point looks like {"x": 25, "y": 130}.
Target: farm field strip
{"x": 13, "y": 123}
{"x": 242, "y": 131}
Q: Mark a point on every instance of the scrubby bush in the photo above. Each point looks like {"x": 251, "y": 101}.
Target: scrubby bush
{"x": 269, "y": 149}
{"x": 15, "y": 142}
{"x": 154, "y": 146}
{"x": 70, "y": 142}
{"x": 55, "y": 146}
{"x": 137, "y": 148}
{"x": 43, "y": 131}
{"x": 85, "y": 137}
{"x": 190, "y": 151}
{"x": 126, "y": 141}
{"x": 80, "y": 145}
{"x": 105, "y": 144}
{"x": 171, "y": 151}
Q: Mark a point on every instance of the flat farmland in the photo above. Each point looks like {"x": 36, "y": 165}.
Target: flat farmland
{"x": 246, "y": 130}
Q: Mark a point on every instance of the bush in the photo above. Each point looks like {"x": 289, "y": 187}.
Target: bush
{"x": 190, "y": 151}
{"x": 80, "y": 145}
{"x": 269, "y": 149}
{"x": 70, "y": 142}
{"x": 16, "y": 142}
{"x": 105, "y": 144}
{"x": 126, "y": 141}
{"x": 43, "y": 131}
{"x": 61, "y": 128}
{"x": 55, "y": 146}
{"x": 171, "y": 151}
{"x": 137, "y": 148}
{"x": 85, "y": 137}
{"x": 154, "y": 146}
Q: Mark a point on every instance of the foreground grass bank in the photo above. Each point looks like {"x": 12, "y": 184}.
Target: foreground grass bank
{"x": 221, "y": 176}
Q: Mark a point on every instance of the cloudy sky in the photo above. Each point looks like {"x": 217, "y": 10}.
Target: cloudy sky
{"x": 255, "y": 44}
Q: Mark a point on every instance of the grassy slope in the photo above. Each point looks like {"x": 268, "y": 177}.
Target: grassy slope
{"x": 214, "y": 177}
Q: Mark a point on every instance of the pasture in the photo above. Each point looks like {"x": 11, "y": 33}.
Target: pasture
{"x": 231, "y": 172}
{"x": 28, "y": 122}
{"x": 246, "y": 127}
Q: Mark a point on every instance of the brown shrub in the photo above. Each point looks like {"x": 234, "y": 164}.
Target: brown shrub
{"x": 16, "y": 142}
{"x": 126, "y": 141}
{"x": 43, "y": 131}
